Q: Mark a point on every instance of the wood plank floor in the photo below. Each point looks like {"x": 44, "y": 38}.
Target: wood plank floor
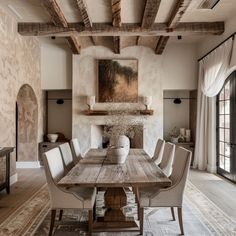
{"x": 29, "y": 181}
{"x": 217, "y": 189}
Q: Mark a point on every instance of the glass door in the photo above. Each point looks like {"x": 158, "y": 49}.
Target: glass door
{"x": 226, "y": 129}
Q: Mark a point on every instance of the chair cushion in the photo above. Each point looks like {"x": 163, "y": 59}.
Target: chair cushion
{"x": 87, "y": 195}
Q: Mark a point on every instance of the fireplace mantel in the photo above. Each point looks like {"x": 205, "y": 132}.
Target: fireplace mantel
{"x": 106, "y": 112}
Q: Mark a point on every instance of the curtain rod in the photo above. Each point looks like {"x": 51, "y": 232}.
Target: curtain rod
{"x": 232, "y": 35}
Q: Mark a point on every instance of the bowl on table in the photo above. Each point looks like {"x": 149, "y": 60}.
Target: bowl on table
{"x": 52, "y": 137}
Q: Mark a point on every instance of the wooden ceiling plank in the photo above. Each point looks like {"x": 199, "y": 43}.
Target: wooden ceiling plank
{"x": 116, "y": 22}
{"x": 126, "y": 29}
{"x": 161, "y": 44}
{"x": 55, "y": 12}
{"x": 74, "y": 44}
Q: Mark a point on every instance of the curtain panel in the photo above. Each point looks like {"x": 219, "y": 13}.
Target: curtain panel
{"x": 212, "y": 75}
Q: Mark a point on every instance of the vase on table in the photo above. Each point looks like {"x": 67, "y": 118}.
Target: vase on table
{"x": 118, "y": 149}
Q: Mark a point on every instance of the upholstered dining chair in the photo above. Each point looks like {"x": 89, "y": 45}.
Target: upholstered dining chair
{"x": 167, "y": 159}
{"x": 77, "y": 198}
{"x": 67, "y": 156}
{"x": 171, "y": 196}
{"x": 158, "y": 154}
{"x": 75, "y": 148}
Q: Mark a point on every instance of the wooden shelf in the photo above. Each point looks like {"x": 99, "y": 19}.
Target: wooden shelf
{"x": 105, "y": 112}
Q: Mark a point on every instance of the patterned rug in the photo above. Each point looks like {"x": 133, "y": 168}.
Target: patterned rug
{"x": 200, "y": 215}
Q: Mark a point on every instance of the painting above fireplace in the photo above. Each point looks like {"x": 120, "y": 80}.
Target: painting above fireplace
{"x": 118, "y": 80}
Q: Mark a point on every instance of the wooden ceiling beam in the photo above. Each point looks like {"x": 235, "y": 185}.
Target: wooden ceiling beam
{"x": 55, "y": 12}
{"x": 59, "y": 20}
{"x": 127, "y": 29}
{"x": 161, "y": 44}
{"x": 116, "y": 22}
{"x": 84, "y": 13}
{"x": 150, "y": 12}
{"x": 176, "y": 14}
{"x": 73, "y": 44}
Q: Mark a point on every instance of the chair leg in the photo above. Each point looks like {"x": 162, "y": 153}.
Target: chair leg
{"x": 53, "y": 216}
{"x": 141, "y": 218}
{"x": 180, "y": 220}
{"x": 173, "y": 213}
{"x": 60, "y": 215}
{"x": 90, "y": 222}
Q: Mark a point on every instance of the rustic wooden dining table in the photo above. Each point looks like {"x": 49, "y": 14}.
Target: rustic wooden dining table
{"x": 95, "y": 170}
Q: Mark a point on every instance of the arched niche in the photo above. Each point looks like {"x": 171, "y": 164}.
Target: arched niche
{"x": 27, "y": 124}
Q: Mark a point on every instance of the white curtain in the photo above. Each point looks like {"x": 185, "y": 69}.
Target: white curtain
{"x": 212, "y": 75}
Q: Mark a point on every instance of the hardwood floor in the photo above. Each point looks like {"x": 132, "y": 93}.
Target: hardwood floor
{"x": 29, "y": 181}
{"x": 217, "y": 189}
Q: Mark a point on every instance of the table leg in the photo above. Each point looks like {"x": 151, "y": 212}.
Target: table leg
{"x": 8, "y": 172}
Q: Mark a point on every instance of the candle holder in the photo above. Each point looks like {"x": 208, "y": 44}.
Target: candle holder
{"x": 147, "y": 101}
{"x": 90, "y": 102}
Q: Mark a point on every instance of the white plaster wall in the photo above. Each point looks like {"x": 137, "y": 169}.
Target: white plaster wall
{"x": 56, "y": 64}
{"x": 175, "y": 69}
{"x": 180, "y": 67}
{"x": 19, "y": 65}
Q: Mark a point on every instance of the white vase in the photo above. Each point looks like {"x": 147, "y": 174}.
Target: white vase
{"x": 117, "y": 155}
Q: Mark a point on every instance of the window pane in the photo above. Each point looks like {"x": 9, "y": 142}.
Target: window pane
{"x": 222, "y": 135}
{"x": 222, "y": 148}
{"x": 227, "y": 136}
{"x": 227, "y": 121}
{"x": 227, "y": 164}
{"x": 222, "y": 162}
{"x": 227, "y": 90}
{"x": 222, "y": 121}
{"x": 222, "y": 96}
{"x": 222, "y": 107}
{"x": 227, "y": 107}
{"x": 227, "y": 149}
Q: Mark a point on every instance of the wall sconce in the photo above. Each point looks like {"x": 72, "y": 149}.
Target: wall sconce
{"x": 147, "y": 101}
{"x": 90, "y": 102}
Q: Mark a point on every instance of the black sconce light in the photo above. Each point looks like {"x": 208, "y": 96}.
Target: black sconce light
{"x": 177, "y": 101}
{"x": 60, "y": 101}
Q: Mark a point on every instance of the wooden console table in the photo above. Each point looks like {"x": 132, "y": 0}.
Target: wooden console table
{"x": 5, "y": 152}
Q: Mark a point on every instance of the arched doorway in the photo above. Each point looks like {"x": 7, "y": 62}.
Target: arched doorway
{"x": 27, "y": 125}
{"x": 226, "y": 129}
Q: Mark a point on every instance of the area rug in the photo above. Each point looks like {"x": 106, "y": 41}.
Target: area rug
{"x": 200, "y": 215}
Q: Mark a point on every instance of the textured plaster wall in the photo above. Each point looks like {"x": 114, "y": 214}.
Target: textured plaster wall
{"x": 85, "y": 83}
{"x": 19, "y": 65}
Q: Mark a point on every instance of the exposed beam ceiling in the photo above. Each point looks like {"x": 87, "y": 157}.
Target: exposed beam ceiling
{"x": 59, "y": 20}
{"x": 116, "y": 22}
{"x": 127, "y": 29}
{"x": 175, "y": 16}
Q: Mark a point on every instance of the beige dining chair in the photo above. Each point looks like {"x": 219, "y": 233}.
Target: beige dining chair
{"x": 76, "y": 198}
{"x": 166, "y": 164}
{"x": 171, "y": 196}
{"x": 158, "y": 153}
{"x": 75, "y": 148}
{"x": 67, "y": 156}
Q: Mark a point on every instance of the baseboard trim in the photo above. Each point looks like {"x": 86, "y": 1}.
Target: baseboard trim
{"x": 13, "y": 179}
{"x": 27, "y": 164}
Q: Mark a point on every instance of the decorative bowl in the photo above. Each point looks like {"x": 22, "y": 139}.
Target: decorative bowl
{"x": 52, "y": 137}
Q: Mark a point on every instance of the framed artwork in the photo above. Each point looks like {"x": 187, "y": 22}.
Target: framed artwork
{"x": 118, "y": 80}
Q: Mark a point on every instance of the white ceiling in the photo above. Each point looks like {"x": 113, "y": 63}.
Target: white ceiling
{"x": 131, "y": 11}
